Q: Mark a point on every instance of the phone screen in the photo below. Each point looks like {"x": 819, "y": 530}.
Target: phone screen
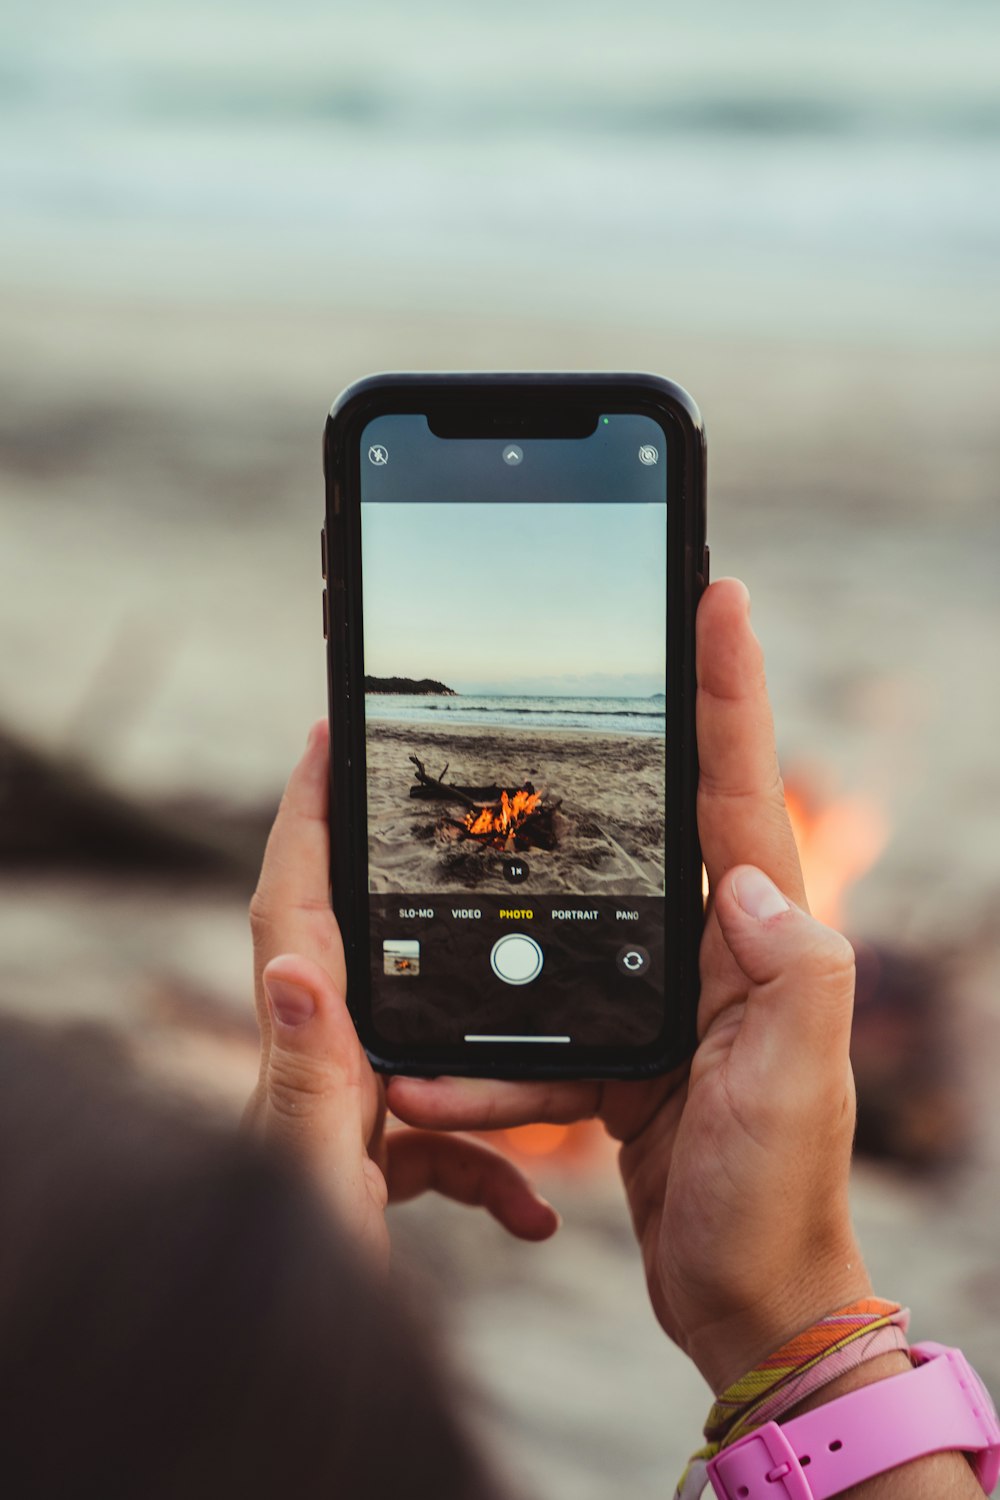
{"x": 515, "y": 691}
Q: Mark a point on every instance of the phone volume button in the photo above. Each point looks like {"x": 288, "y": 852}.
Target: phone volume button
{"x": 326, "y": 616}
{"x": 322, "y": 551}
{"x": 702, "y": 579}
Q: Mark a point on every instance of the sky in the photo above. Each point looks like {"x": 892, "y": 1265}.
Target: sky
{"x": 520, "y": 599}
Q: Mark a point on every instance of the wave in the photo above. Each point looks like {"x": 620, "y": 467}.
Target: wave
{"x": 218, "y": 97}
{"x": 622, "y": 715}
{"x": 579, "y": 713}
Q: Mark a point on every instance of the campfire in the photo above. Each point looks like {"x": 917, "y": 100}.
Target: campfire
{"x": 502, "y": 818}
{"x": 500, "y": 822}
{"x": 839, "y": 839}
{"x": 911, "y": 1105}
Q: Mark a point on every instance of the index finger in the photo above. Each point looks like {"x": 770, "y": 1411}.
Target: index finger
{"x": 490, "y": 1103}
{"x": 741, "y": 802}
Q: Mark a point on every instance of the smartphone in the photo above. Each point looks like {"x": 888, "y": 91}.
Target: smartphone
{"x": 512, "y": 565}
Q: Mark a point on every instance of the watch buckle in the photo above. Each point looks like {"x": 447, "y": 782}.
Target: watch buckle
{"x": 761, "y": 1466}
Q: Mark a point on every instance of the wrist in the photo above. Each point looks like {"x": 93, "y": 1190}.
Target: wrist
{"x": 924, "y": 1427}
{"x": 725, "y": 1349}
{"x": 893, "y": 1362}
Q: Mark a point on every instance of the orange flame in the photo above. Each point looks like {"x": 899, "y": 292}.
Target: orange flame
{"x": 504, "y": 820}
{"x": 537, "y": 1140}
{"x": 838, "y": 841}
{"x": 583, "y": 1146}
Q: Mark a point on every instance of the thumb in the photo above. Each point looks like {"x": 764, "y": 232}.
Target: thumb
{"x": 316, "y": 1102}
{"x": 800, "y": 990}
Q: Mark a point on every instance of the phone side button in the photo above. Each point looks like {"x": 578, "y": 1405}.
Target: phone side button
{"x": 322, "y": 551}
{"x": 706, "y": 558}
{"x": 701, "y": 576}
{"x": 326, "y": 617}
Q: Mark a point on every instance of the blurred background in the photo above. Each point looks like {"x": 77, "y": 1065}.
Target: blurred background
{"x": 215, "y": 216}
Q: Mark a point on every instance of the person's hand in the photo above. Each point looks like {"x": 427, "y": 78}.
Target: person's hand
{"x": 317, "y": 1094}
{"x": 735, "y": 1167}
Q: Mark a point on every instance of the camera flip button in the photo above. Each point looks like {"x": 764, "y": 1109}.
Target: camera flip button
{"x": 633, "y": 959}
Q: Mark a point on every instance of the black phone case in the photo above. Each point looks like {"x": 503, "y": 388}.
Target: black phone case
{"x": 511, "y": 405}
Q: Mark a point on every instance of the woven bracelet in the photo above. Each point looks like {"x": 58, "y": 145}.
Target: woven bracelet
{"x": 809, "y": 1361}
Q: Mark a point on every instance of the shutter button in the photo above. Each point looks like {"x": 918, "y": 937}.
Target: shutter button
{"x": 516, "y": 958}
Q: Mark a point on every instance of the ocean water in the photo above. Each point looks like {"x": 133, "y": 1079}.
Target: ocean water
{"x": 506, "y": 711}
{"x": 772, "y": 167}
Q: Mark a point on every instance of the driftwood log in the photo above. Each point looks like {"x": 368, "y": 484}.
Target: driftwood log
{"x": 56, "y": 812}
{"x": 536, "y": 831}
{"x": 476, "y": 797}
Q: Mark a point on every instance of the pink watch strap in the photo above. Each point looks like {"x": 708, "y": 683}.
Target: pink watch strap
{"x": 940, "y": 1405}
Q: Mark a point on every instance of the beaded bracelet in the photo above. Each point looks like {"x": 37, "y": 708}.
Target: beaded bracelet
{"x": 810, "y": 1360}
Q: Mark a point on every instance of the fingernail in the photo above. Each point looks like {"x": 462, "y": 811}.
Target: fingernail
{"x": 742, "y": 585}
{"x": 291, "y": 1004}
{"x": 758, "y": 896}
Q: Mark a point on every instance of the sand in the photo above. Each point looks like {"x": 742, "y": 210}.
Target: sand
{"x": 161, "y": 499}
{"x": 609, "y": 827}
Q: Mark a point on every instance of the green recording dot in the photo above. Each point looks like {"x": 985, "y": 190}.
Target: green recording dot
{"x": 606, "y": 420}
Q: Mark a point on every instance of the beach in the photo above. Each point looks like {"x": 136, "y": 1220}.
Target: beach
{"x": 161, "y": 499}
{"x": 192, "y": 267}
{"x": 608, "y": 827}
